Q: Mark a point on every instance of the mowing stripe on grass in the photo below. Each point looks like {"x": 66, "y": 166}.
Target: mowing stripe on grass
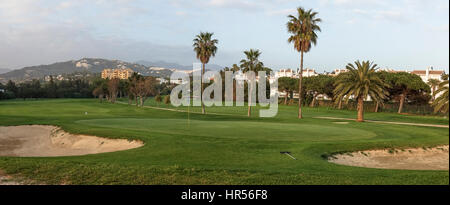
{"x": 175, "y": 110}
{"x": 386, "y": 122}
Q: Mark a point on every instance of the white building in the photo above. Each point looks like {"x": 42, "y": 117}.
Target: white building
{"x": 428, "y": 74}
{"x": 309, "y": 73}
{"x": 294, "y": 74}
{"x": 162, "y": 80}
{"x": 338, "y": 71}
{"x": 286, "y": 73}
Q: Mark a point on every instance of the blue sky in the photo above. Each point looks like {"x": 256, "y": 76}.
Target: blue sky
{"x": 400, "y": 34}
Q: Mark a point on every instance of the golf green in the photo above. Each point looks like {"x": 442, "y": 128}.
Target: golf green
{"x": 182, "y": 148}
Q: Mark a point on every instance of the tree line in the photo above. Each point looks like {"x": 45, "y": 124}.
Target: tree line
{"x": 138, "y": 88}
{"x": 398, "y": 87}
{"x": 71, "y": 88}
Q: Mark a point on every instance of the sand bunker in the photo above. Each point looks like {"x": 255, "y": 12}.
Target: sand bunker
{"x": 412, "y": 159}
{"x": 341, "y": 123}
{"x": 50, "y": 141}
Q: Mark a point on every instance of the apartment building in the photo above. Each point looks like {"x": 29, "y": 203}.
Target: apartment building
{"x": 116, "y": 73}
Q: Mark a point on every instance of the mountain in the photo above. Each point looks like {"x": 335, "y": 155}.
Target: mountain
{"x": 92, "y": 65}
{"x": 163, "y": 64}
{"x": 4, "y": 70}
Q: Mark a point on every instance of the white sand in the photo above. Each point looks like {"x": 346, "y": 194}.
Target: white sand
{"x": 411, "y": 159}
{"x": 51, "y": 141}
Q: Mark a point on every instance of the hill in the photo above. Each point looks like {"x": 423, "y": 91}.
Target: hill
{"x": 92, "y": 65}
{"x": 176, "y": 66}
{"x": 4, "y": 70}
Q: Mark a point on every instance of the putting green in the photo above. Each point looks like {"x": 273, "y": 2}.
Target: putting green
{"x": 265, "y": 131}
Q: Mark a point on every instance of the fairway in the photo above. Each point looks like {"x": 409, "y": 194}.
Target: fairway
{"x": 189, "y": 148}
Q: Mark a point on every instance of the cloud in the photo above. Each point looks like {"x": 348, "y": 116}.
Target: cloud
{"x": 283, "y": 12}
{"x": 358, "y": 3}
{"x": 49, "y": 44}
{"x": 391, "y": 15}
{"x": 237, "y": 4}
{"x": 181, "y": 13}
{"x": 243, "y": 5}
{"x": 36, "y": 32}
{"x": 382, "y": 15}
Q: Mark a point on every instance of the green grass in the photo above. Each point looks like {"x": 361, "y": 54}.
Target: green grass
{"x": 218, "y": 149}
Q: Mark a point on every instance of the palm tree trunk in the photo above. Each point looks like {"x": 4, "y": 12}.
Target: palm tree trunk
{"x": 286, "y": 97}
{"x": 340, "y": 104}
{"x": 201, "y": 94}
{"x": 433, "y": 93}
{"x": 402, "y": 101}
{"x": 249, "y": 112}
{"x": 360, "y": 109}
{"x": 234, "y": 91}
{"x": 300, "y": 87}
{"x": 313, "y": 101}
{"x": 376, "y": 107}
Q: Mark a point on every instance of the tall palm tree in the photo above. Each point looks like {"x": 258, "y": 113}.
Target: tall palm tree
{"x": 303, "y": 28}
{"x": 205, "y": 47}
{"x": 434, "y": 84}
{"x": 251, "y": 63}
{"x": 441, "y": 102}
{"x": 359, "y": 82}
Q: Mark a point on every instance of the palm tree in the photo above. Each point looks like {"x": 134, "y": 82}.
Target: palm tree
{"x": 303, "y": 28}
{"x": 441, "y": 102}
{"x": 235, "y": 68}
{"x": 205, "y": 48}
{"x": 433, "y": 83}
{"x": 359, "y": 82}
{"x": 252, "y": 63}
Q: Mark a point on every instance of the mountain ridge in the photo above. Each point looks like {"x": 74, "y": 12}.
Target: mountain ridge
{"x": 4, "y": 70}
{"x": 177, "y": 66}
{"x": 92, "y": 65}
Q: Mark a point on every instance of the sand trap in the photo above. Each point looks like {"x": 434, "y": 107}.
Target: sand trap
{"x": 51, "y": 141}
{"x": 412, "y": 159}
{"x": 341, "y": 123}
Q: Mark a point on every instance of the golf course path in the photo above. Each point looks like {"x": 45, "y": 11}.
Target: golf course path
{"x": 386, "y": 122}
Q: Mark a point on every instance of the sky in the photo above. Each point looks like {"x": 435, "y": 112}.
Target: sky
{"x": 400, "y": 34}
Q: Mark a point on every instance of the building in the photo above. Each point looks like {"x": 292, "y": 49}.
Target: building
{"x": 178, "y": 81}
{"x": 428, "y": 74}
{"x": 338, "y": 71}
{"x": 57, "y": 77}
{"x": 117, "y": 73}
{"x": 309, "y": 73}
{"x": 285, "y": 73}
{"x": 162, "y": 80}
{"x": 294, "y": 74}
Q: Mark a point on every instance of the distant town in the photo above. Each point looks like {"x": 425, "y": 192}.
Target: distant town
{"x": 125, "y": 73}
